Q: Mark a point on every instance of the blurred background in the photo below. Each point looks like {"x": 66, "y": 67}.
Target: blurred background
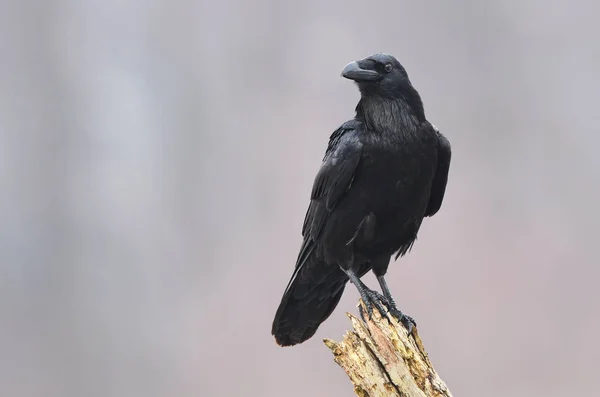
{"x": 156, "y": 160}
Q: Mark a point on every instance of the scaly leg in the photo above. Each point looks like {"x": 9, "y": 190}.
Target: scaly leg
{"x": 370, "y": 298}
{"x": 407, "y": 321}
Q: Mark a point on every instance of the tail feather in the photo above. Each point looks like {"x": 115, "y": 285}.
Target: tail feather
{"x": 312, "y": 294}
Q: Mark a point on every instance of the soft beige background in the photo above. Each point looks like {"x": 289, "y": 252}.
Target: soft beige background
{"x": 156, "y": 159}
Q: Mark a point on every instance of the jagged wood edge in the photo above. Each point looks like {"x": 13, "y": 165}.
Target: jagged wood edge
{"x": 382, "y": 359}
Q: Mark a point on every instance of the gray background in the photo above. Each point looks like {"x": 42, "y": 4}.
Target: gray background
{"x": 156, "y": 159}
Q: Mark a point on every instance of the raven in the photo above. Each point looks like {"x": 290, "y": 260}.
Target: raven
{"x": 383, "y": 172}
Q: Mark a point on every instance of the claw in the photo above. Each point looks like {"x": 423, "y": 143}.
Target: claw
{"x": 408, "y": 322}
{"x": 361, "y": 312}
{"x": 369, "y": 307}
{"x": 375, "y": 299}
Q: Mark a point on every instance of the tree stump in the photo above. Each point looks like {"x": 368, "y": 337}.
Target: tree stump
{"x": 382, "y": 359}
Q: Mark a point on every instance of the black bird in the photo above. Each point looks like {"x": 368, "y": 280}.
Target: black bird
{"x": 383, "y": 172}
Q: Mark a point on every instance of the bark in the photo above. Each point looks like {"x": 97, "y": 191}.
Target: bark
{"x": 382, "y": 359}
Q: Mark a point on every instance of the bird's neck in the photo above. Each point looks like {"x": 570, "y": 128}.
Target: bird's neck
{"x": 384, "y": 114}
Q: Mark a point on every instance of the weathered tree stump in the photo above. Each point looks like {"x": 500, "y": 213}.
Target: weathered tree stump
{"x": 382, "y": 359}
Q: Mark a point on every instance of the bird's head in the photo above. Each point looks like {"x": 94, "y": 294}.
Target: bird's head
{"x": 381, "y": 75}
{"x": 378, "y": 74}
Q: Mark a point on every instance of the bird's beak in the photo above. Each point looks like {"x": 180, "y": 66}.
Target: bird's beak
{"x": 359, "y": 71}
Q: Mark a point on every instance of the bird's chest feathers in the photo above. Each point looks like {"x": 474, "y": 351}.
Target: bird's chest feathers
{"x": 398, "y": 150}
{"x": 403, "y": 166}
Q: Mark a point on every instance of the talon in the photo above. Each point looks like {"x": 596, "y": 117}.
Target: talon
{"x": 374, "y": 299}
{"x": 369, "y": 306}
{"x": 408, "y": 322}
{"x": 377, "y": 300}
{"x": 361, "y": 312}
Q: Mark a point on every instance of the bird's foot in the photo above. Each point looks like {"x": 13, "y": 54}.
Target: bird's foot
{"x": 408, "y": 322}
{"x": 373, "y": 299}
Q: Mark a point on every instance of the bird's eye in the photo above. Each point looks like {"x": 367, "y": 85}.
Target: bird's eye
{"x": 388, "y": 67}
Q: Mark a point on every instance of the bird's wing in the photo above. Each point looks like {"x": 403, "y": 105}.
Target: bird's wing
{"x": 438, "y": 187}
{"x": 331, "y": 183}
{"x": 333, "y": 179}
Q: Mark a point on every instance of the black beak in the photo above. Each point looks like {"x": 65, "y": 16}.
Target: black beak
{"x": 359, "y": 71}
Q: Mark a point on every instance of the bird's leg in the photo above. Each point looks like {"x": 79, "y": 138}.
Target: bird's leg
{"x": 370, "y": 298}
{"x": 407, "y": 321}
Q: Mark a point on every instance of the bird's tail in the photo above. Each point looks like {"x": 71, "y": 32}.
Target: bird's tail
{"x": 312, "y": 294}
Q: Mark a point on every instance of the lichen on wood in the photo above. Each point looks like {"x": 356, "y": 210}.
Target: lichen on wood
{"x": 382, "y": 359}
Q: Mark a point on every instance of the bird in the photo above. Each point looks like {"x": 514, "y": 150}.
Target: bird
{"x": 383, "y": 172}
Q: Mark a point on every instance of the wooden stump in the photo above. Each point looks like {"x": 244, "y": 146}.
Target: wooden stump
{"x": 382, "y": 359}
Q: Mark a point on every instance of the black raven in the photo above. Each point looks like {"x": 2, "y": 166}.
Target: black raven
{"x": 383, "y": 172}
